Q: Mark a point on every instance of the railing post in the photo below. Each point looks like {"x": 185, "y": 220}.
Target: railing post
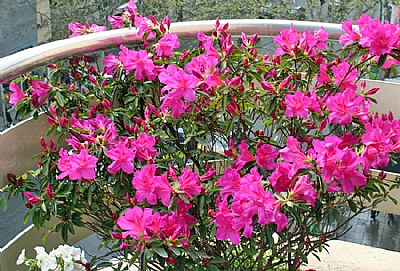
{"x": 4, "y": 109}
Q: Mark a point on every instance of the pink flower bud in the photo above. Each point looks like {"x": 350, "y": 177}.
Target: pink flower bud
{"x": 267, "y": 86}
{"x": 154, "y": 110}
{"x": 43, "y": 144}
{"x": 49, "y": 192}
{"x": 11, "y": 177}
{"x": 171, "y": 173}
{"x": 170, "y": 260}
{"x": 322, "y": 125}
{"x": 244, "y": 38}
{"x": 116, "y": 235}
{"x": 106, "y": 104}
{"x": 32, "y": 199}
{"x": 235, "y": 81}
{"x": 372, "y": 91}
{"x": 153, "y": 19}
{"x": 253, "y": 39}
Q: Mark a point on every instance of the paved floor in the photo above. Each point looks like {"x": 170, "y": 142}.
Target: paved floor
{"x": 381, "y": 232}
{"x": 12, "y": 221}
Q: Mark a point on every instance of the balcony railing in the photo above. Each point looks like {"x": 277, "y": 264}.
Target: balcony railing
{"x": 19, "y": 143}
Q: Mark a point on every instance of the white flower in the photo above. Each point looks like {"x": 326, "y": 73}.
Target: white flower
{"x": 45, "y": 261}
{"x": 40, "y": 251}
{"x": 83, "y": 259}
{"x": 21, "y": 258}
{"x": 69, "y": 266}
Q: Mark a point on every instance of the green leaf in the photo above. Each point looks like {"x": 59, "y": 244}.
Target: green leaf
{"x": 3, "y": 202}
{"x": 212, "y": 268}
{"x": 160, "y": 251}
{"x": 60, "y": 98}
{"x": 64, "y": 232}
{"x": 352, "y": 205}
{"x": 202, "y": 141}
{"x": 382, "y": 60}
{"x": 176, "y": 251}
{"x": 394, "y": 71}
{"x": 217, "y": 260}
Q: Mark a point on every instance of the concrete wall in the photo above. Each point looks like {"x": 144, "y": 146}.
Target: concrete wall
{"x": 18, "y": 28}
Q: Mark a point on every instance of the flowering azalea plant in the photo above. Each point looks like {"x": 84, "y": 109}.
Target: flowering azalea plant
{"x": 215, "y": 158}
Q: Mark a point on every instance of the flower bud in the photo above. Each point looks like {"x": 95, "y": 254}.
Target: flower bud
{"x": 116, "y": 235}
{"x": 11, "y": 178}
{"x": 32, "y": 199}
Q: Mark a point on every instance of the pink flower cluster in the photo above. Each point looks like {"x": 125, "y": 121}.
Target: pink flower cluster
{"x": 142, "y": 225}
{"x": 290, "y": 41}
{"x": 249, "y": 198}
{"x": 79, "y": 29}
{"x": 379, "y": 37}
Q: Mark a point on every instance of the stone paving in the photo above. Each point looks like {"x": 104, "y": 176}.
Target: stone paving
{"x": 381, "y": 232}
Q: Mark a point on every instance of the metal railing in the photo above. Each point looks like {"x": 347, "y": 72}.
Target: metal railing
{"x": 24, "y": 61}
{"x": 20, "y": 143}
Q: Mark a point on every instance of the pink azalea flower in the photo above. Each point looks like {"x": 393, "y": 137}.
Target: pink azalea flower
{"x": 345, "y": 76}
{"x": 166, "y": 45}
{"x": 303, "y": 190}
{"x": 208, "y": 43}
{"x": 245, "y": 156}
{"x": 39, "y": 90}
{"x": 78, "y": 29}
{"x": 343, "y": 106}
{"x": 111, "y": 64}
{"x": 77, "y": 166}
{"x": 144, "y": 146}
{"x": 348, "y": 173}
{"x": 17, "y": 94}
{"x": 163, "y": 189}
{"x": 327, "y": 154}
{"x": 143, "y": 181}
{"x": 134, "y": 222}
{"x": 383, "y": 39}
{"x": 177, "y": 225}
{"x": 266, "y": 156}
{"x": 293, "y": 153}
{"x": 32, "y": 199}
{"x": 176, "y": 106}
{"x": 378, "y": 146}
{"x": 297, "y": 105}
{"x": 287, "y": 40}
{"x": 180, "y": 83}
{"x": 213, "y": 79}
{"x": 350, "y": 36}
{"x": 380, "y": 38}
{"x": 321, "y": 35}
{"x": 116, "y": 21}
{"x": 122, "y": 159}
{"x": 144, "y": 25}
{"x": 203, "y": 64}
{"x": 209, "y": 174}
{"x": 230, "y": 181}
{"x": 283, "y": 176}
{"x": 323, "y": 76}
{"x": 189, "y": 183}
{"x": 140, "y": 62}
{"x": 224, "y": 221}
{"x": 253, "y": 199}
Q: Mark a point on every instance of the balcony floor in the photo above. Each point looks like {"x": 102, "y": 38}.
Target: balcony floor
{"x": 381, "y": 232}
